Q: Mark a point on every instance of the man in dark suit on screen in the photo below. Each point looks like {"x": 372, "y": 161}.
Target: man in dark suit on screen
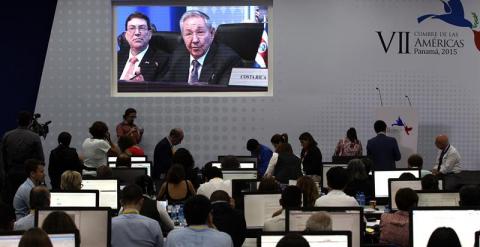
{"x": 382, "y": 149}
{"x": 201, "y": 61}
{"x": 141, "y": 62}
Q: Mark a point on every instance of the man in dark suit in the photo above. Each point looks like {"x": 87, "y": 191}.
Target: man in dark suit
{"x": 163, "y": 153}
{"x": 201, "y": 60}
{"x": 383, "y": 150}
{"x": 141, "y": 62}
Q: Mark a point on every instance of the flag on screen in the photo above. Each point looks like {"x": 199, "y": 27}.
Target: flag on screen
{"x": 261, "y": 59}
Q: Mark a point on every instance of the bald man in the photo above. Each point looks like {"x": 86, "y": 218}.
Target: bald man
{"x": 448, "y": 159}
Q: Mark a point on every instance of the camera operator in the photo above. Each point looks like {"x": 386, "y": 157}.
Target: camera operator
{"x": 19, "y": 145}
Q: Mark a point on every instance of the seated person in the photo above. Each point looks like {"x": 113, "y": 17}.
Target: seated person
{"x": 293, "y": 240}
{"x": 176, "y": 189}
{"x": 124, "y": 160}
{"x": 320, "y": 221}
{"x": 429, "y": 183}
{"x": 58, "y": 222}
{"x": 183, "y": 157}
{"x": 151, "y": 208}
{"x": 444, "y": 236}
{"x": 104, "y": 172}
{"x": 226, "y": 218}
{"x": 199, "y": 232}
{"x": 394, "y": 228}
{"x": 39, "y": 198}
{"x": 215, "y": 182}
{"x": 141, "y": 62}
{"x": 309, "y": 190}
{"x": 132, "y": 229}
{"x": 127, "y": 145}
{"x": 35, "y": 170}
{"x": 291, "y": 197}
{"x": 416, "y": 161}
{"x": 337, "y": 180}
{"x": 269, "y": 185}
{"x": 358, "y": 181}
{"x": 230, "y": 162}
{"x": 469, "y": 196}
{"x": 407, "y": 176}
{"x": 63, "y": 158}
{"x": 201, "y": 60}
{"x": 35, "y": 237}
{"x": 71, "y": 181}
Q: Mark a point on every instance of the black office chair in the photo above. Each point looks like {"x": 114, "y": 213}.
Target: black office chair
{"x": 164, "y": 41}
{"x": 243, "y": 38}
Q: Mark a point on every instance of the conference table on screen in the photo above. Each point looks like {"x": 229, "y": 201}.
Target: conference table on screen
{"x": 155, "y": 87}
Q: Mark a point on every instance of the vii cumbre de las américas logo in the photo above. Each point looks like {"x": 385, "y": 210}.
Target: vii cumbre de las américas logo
{"x": 449, "y": 42}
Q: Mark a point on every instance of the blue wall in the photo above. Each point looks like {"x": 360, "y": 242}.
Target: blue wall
{"x": 24, "y": 46}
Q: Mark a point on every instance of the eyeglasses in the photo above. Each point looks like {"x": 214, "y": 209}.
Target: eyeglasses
{"x": 141, "y": 29}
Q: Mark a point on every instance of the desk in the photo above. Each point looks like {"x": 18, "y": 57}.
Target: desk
{"x": 157, "y": 87}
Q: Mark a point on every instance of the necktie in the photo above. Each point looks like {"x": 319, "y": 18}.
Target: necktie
{"x": 194, "y": 74}
{"x": 130, "y": 72}
{"x": 441, "y": 157}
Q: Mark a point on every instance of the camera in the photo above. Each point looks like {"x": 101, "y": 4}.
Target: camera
{"x": 39, "y": 128}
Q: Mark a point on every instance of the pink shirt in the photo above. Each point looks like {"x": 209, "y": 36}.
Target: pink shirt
{"x": 394, "y": 228}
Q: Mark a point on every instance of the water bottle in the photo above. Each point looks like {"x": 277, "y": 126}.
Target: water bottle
{"x": 360, "y": 197}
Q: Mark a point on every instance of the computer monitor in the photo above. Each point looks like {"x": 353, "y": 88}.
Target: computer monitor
{"x": 113, "y": 159}
{"x": 343, "y": 219}
{"x": 423, "y": 221}
{"x": 108, "y": 191}
{"x": 380, "y": 179}
{"x": 94, "y": 224}
{"x": 314, "y": 239}
{"x": 437, "y": 198}
{"x": 83, "y": 198}
{"x": 12, "y": 239}
{"x": 239, "y": 174}
{"x": 259, "y": 207}
{"x": 128, "y": 175}
{"x": 394, "y": 184}
{"x": 243, "y": 165}
{"x": 144, "y": 164}
{"x": 325, "y": 168}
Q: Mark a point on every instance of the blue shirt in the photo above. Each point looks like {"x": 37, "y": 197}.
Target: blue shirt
{"x": 24, "y": 223}
{"x": 198, "y": 236}
{"x": 135, "y": 230}
{"x": 264, "y": 156}
{"x": 21, "y": 201}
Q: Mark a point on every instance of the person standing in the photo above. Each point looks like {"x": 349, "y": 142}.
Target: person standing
{"x": 128, "y": 128}
{"x": 382, "y": 149}
{"x": 19, "y": 145}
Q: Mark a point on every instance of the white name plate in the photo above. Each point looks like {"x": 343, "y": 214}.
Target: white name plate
{"x": 249, "y": 77}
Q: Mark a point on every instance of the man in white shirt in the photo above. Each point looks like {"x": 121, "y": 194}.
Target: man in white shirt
{"x": 215, "y": 182}
{"x": 39, "y": 198}
{"x": 291, "y": 197}
{"x": 337, "y": 178}
{"x": 447, "y": 163}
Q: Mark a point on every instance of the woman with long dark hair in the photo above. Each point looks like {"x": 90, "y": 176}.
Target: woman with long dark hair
{"x": 276, "y": 140}
{"x": 350, "y": 145}
{"x": 310, "y": 155}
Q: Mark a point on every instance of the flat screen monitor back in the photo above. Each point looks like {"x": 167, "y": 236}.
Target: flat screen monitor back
{"x": 94, "y": 224}
{"x": 342, "y": 220}
{"x": 108, "y": 191}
